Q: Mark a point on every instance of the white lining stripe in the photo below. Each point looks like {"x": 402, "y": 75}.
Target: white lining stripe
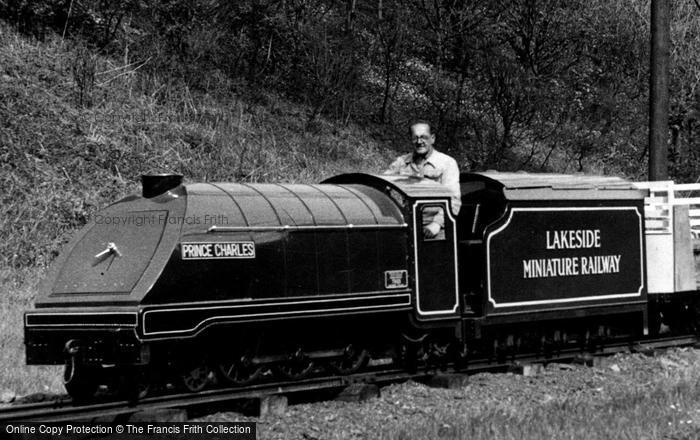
{"x": 299, "y": 299}
{"x": 406, "y": 301}
{"x": 215, "y": 229}
{"x": 448, "y": 212}
{"x": 33, "y": 313}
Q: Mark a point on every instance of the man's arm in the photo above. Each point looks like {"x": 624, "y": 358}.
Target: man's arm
{"x": 395, "y": 166}
{"x": 450, "y": 178}
{"x": 433, "y": 221}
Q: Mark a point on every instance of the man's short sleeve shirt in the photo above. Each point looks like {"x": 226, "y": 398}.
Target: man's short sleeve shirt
{"x": 438, "y": 167}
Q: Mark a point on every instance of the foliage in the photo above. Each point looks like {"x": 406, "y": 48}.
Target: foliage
{"x": 524, "y": 84}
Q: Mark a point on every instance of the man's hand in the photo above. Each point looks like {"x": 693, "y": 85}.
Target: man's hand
{"x": 431, "y": 230}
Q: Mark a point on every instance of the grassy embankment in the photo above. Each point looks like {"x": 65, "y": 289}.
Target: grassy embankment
{"x": 77, "y": 130}
{"x": 668, "y": 409}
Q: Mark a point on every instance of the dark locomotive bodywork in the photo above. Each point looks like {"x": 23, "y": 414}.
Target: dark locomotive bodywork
{"x": 271, "y": 272}
{"x": 211, "y": 255}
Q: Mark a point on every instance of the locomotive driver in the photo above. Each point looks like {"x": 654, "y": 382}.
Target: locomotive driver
{"x": 425, "y": 161}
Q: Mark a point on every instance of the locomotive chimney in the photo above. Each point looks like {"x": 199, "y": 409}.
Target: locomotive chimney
{"x": 156, "y": 184}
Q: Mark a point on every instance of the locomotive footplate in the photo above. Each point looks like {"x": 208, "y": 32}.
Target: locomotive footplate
{"x": 112, "y": 346}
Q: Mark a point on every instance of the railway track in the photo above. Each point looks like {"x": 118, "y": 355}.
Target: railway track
{"x": 63, "y": 409}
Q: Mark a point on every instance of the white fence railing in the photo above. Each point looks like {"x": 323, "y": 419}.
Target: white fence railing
{"x": 658, "y": 206}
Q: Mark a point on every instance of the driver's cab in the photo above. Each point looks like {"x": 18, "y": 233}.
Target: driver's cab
{"x": 481, "y": 206}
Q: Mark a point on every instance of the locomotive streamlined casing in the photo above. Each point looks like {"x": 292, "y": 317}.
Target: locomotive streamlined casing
{"x": 553, "y": 246}
{"x": 319, "y": 250}
{"x": 199, "y": 256}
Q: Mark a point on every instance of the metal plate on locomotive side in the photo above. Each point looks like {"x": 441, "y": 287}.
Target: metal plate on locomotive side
{"x": 395, "y": 279}
{"x": 541, "y": 256}
{"x": 217, "y": 250}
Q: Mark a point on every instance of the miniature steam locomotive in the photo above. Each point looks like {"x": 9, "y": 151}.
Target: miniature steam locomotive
{"x": 243, "y": 280}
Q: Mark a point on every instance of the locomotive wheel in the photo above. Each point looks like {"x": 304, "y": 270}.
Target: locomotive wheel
{"x": 353, "y": 360}
{"x": 298, "y": 366}
{"x": 80, "y": 381}
{"x": 438, "y": 355}
{"x": 195, "y": 378}
{"x": 240, "y": 372}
